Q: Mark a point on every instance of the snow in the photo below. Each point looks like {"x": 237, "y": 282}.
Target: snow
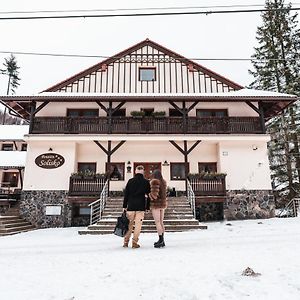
{"x": 59, "y": 264}
{"x": 240, "y": 93}
{"x": 12, "y": 159}
{"x": 13, "y": 132}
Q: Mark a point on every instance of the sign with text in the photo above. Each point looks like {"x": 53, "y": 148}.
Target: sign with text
{"x": 49, "y": 160}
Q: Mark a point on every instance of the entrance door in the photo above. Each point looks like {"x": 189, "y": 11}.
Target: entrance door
{"x": 149, "y": 167}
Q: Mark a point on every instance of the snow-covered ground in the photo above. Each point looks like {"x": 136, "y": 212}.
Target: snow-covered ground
{"x": 58, "y": 264}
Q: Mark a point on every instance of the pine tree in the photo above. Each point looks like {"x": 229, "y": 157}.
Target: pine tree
{"x": 12, "y": 71}
{"x": 276, "y": 63}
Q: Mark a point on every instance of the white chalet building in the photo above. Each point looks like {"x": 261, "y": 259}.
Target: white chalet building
{"x": 147, "y": 105}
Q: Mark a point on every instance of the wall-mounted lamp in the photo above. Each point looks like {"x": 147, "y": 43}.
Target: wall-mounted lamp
{"x": 254, "y": 147}
{"x": 50, "y": 149}
{"x": 128, "y": 167}
{"x": 165, "y": 164}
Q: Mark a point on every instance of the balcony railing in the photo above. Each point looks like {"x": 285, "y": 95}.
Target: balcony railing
{"x": 146, "y": 125}
{"x": 86, "y": 186}
{"x": 208, "y": 186}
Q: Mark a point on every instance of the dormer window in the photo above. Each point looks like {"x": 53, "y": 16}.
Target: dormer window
{"x": 147, "y": 74}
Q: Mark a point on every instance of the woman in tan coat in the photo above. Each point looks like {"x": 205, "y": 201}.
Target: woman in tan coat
{"x": 158, "y": 204}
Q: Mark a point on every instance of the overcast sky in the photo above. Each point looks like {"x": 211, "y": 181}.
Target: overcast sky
{"x": 201, "y": 36}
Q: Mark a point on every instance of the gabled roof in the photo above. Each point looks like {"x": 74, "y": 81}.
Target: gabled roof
{"x": 135, "y": 47}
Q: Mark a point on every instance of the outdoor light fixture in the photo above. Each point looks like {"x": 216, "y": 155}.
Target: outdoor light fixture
{"x": 254, "y": 147}
{"x": 165, "y": 164}
{"x": 128, "y": 167}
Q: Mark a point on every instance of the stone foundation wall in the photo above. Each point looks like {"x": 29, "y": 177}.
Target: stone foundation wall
{"x": 254, "y": 204}
{"x": 206, "y": 212}
{"x": 33, "y": 208}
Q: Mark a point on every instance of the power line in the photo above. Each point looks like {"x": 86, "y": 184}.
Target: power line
{"x": 143, "y": 55}
{"x": 136, "y": 9}
{"x": 208, "y": 12}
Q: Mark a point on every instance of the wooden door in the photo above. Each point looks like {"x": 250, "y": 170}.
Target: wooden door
{"x": 149, "y": 167}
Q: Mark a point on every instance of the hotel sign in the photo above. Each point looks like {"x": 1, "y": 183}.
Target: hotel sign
{"x": 49, "y": 161}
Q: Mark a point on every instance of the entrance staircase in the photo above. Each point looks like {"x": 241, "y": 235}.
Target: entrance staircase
{"x": 178, "y": 217}
{"x": 12, "y": 223}
{"x": 292, "y": 209}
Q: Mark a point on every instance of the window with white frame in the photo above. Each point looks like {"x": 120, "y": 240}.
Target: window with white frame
{"x": 147, "y": 74}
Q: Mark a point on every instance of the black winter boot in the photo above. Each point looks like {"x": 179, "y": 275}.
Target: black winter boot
{"x": 160, "y": 243}
{"x": 159, "y": 239}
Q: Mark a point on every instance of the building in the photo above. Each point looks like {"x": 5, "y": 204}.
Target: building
{"x": 12, "y": 163}
{"x": 147, "y": 105}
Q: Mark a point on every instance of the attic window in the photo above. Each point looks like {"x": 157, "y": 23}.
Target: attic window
{"x": 147, "y": 74}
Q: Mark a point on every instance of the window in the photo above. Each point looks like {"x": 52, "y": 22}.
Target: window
{"x": 210, "y": 167}
{"x": 87, "y": 167}
{"x": 115, "y": 171}
{"x": 174, "y": 113}
{"x": 84, "y": 211}
{"x": 119, "y": 113}
{"x": 148, "y": 111}
{"x": 82, "y": 112}
{"x": 178, "y": 171}
{"x": 7, "y": 147}
{"x": 24, "y": 147}
{"x": 147, "y": 74}
{"x": 10, "y": 179}
{"x": 206, "y": 113}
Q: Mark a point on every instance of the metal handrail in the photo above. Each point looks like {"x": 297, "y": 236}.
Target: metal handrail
{"x": 191, "y": 198}
{"x": 293, "y": 205}
{"x": 98, "y": 206}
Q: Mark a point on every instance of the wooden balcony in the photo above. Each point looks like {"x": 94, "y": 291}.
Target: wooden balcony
{"x": 208, "y": 186}
{"x": 146, "y": 125}
{"x": 86, "y": 186}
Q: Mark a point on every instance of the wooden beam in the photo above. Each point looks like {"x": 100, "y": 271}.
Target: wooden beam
{"x": 176, "y": 107}
{"x": 253, "y": 107}
{"x": 101, "y": 105}
{"x": 194, "y": 146}
{"x": 192, "y": 106}
{"x": 32, "y": 109}
{"x": 177, "y": 146}
{"x": 101, "y": 147}
{"x": 117, "y": 147}
{"x": 40, "y": 107}
{"x": 118, "y": 107}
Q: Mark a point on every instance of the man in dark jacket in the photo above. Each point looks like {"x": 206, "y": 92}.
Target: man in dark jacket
{"x": 135, "y": 203}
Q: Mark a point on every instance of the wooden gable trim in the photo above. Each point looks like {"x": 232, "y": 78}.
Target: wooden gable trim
{"x": 103, "y": 66}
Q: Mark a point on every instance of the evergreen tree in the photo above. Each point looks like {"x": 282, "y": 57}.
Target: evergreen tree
{"x": 11, "y": 69}
{"x": 276, "y": 63}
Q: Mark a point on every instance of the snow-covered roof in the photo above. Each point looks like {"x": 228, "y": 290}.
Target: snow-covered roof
{"x": 13, "y": 132}
{"x": 240, "y": 93}
{"x": 247, "y": 93}
{"x": 12, "y": 159}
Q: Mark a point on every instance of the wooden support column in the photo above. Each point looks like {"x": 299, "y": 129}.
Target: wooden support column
{"x": 109, "y": 151}
{"x": 32, "y": 109}
{"x": 185, "y": 151}
{"x": 109, "y": 112}
{"x": 184, "y": 111}
{"x": 262, "y": 117}
{"x": 261, "y": 114}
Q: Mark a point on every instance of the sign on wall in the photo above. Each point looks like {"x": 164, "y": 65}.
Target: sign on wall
{"x": 49, "y": 160}
{"x": 53, "y": 210}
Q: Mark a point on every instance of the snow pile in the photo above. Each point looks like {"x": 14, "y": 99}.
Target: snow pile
{"x": 59, "y": 264}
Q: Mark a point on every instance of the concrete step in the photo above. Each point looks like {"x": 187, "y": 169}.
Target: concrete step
{"x": 16, "y": 232}
{"x": 7, "y": 222}
{"x": 19, "y": 224}
{"x": 170, "y": 217}
{"x": 9, "y": 218}
{"x": 109, "y": 231}
{"x": 168, "y": 210}
{"x": 151, "y": 222}
{"x": 147, "y": 227}
{"x": 16, "y": 229}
